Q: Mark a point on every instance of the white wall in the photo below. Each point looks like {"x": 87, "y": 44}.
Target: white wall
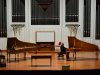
{"x": 61, "y": 32}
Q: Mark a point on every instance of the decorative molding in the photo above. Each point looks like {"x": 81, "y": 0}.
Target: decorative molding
{"x": 17, "y": 27}
{"x": 73, "y": 29}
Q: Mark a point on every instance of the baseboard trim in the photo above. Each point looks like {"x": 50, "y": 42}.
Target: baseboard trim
{"x": 4, "y": 50}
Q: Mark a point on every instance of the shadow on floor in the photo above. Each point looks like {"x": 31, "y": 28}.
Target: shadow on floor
{"x": 20, "y": 59}
{"x": 40, "y": 65}
{"x": 80, "y": 59}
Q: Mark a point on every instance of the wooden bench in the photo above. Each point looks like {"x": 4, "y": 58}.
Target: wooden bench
{"x": 42, "y": 56}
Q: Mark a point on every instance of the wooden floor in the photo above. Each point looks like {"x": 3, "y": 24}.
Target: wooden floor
{"x": 85, "y": 61}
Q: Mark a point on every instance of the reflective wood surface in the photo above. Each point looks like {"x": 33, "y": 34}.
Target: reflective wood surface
{"x": 81, "y": 63}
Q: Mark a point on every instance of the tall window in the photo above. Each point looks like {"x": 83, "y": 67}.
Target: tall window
{"x": 3, "y": 23}
{"x": 87, "y": 18}
{"x": 97, "y": 34}
{"x": 18, "y": 10}
{"x": 72, "y": 10}
{"x": 45, "y": 12}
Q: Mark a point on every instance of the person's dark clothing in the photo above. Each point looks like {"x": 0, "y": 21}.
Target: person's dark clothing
{"x": 63, "y": 50}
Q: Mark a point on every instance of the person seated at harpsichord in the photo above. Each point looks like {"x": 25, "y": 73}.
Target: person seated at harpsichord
{"x": 63, "y": 50}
